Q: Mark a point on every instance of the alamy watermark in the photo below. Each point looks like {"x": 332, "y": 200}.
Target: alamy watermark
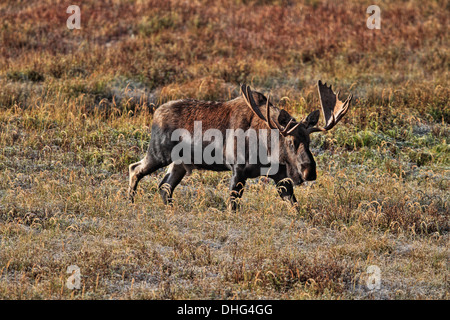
{"x": 374, "y": 21}
{"x": 241, "y": 147}
{"x": 373, "y": 281}
{"x": 74, "y": 280}
{"x": 74, "y": 20}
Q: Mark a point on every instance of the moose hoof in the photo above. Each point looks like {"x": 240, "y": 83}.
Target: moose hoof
{"x": 131, "y": 195}
{"x": 233, "y": 206}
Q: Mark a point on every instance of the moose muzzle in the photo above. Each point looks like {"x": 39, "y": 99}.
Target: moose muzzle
{"x": 309, "y": 171}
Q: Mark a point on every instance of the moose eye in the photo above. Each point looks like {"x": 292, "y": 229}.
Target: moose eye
{"x": 293, "y": 145}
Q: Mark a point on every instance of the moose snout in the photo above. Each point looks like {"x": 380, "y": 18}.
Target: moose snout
{"x": 309, "y": 172}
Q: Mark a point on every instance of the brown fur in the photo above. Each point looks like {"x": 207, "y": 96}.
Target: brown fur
{"x": 233, "y": 114}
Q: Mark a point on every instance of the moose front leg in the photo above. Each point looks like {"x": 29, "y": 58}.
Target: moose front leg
{"x": 236, "y": 189}
{"x": 285, "y": 188}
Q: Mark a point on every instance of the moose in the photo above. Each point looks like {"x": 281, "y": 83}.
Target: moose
{"x": 295, "y": 162}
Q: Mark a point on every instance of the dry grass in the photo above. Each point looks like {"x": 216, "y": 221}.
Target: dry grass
{"x": 75, "y": 111}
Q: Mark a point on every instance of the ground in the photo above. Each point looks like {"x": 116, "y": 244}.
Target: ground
{"x": 76, "y": 109}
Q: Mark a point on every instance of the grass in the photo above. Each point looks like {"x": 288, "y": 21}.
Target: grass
{"x": 76, "y": 107}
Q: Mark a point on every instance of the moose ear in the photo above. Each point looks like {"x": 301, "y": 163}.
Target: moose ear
{"x": 284, "y": 117}
{"x": 312, "y": 119}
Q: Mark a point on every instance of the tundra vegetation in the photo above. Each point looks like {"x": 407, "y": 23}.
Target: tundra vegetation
{"x": 76, "y": 108}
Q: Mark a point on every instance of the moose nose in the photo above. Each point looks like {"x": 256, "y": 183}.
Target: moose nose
{"x": 309, "y": 172}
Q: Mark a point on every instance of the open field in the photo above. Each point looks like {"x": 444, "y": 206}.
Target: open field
{"x": 76, "y": 108}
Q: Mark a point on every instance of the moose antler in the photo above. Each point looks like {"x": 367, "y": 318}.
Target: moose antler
{"x": 248, "y": 97}
{"x": 333, "y": 109}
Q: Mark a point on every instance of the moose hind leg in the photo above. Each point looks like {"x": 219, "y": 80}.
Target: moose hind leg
{"x": 173, "y": 177}
{"x": 139, "y": 170}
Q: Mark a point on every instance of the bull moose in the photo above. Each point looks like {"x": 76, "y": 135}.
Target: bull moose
{"x": 294, "y": 161}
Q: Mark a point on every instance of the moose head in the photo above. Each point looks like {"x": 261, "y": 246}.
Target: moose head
{"x": 295, "y": 136}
